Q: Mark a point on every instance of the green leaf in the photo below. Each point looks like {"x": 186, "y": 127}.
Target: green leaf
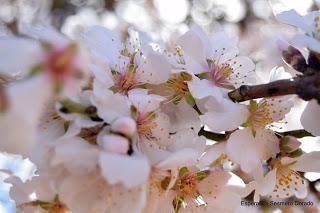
{"x": 182, "y": 171}
{"x": 177, "y": 203}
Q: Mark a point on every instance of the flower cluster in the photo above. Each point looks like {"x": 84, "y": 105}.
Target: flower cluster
{"x": 120, "y": 125}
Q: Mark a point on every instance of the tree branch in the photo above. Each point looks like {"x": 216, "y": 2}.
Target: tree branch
{"x": 307, "y": 87}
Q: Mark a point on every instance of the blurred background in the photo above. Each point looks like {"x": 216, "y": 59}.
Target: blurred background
{"x": 252, "y": 21}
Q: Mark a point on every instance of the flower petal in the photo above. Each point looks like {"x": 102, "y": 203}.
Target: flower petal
{"x": 310, "y": 117}
{"x": 241, "y": 149}
{"x": 308, "y": 162}
{"x": 204, "y": 88}
{"x": 129, "y": 170}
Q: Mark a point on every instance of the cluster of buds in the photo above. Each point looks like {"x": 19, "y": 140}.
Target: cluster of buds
{"x": 122, "y": 130}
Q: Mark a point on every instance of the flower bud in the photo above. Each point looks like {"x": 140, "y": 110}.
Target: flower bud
{"x": 124, "y": 125}
{"x": 294, "y": 58}
{"x": 115, "y": 144}
{"x": 293, "y": 143}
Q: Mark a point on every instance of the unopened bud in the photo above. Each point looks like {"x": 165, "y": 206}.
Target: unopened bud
{"x": 115, "y": 144}
{"x": 124, "y": 125}
{"x": 293, "y": 143}
{"x": 294, "y": 58}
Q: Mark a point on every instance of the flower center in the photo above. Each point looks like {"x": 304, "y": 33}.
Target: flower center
{"x": 145, "y": 125}
{"x": 61, "y": 62}
{"x": 220, "y": 74}
{"x": 125, "y": 82}
{"x": 288, "y": 182}
{"x": 259, "y": 114}
{"x": 178, "y": 83}
{"x": 187, "y": 184}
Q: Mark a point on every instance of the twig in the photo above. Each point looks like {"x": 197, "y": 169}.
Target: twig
{"x": 307, "y": 87}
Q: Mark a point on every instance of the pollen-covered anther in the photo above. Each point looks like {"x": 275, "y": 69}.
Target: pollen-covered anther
{"x": 288, "y": 183}
{"x": 220, "y": 74}
{"x": 187, "y": 184}
{"x": 260, "y": 115}
{"x": 178, "y": 84}
{"x": 145, "y": 124}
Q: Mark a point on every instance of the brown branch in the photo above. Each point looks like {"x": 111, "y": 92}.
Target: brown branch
{"x": 307, "y": 87}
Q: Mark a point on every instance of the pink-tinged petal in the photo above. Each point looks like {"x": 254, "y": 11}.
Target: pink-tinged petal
{"x": 223, "y": 47}
{"x": 291, "y": 17}
{"x": 242, "y": 71}
{"x": 156, "y": 69}
{"x": 111, "y": 110}
{"x": 182, "y": 116}
{"x": 41, "y": 186}
{"x": 310, "y": 117}
{"x": 228, "y": 119}
{"x": 204, "y": 88}
{"x": 205, "y": 40}
{"x": 278, "y": 107}
{"x": 278, "y": 73}
{"x": 25, "y": 106}
{"x": 143, "y": 101}
{"x": 102, "y": 75}
{"x": 44, "y": 33}
{"x": 161, "y": 131}
{"x": 82, "y": 156}
{"x": 306, "y": 41}
{"x": 125, "y": 200}
{"x": 118, "y": 168}
{"x": 187, "y": 139}
{"x": 186, "y": 156}
{"x": 102, "y": 43}
{"x": 212, "y": 154}
{"x": 188, "y": 42}
{"x": 308, "y": 162}
{"x": 266, "y": 144}
{"x": 267, "y": 183}
{"x": 241, "y": 149}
